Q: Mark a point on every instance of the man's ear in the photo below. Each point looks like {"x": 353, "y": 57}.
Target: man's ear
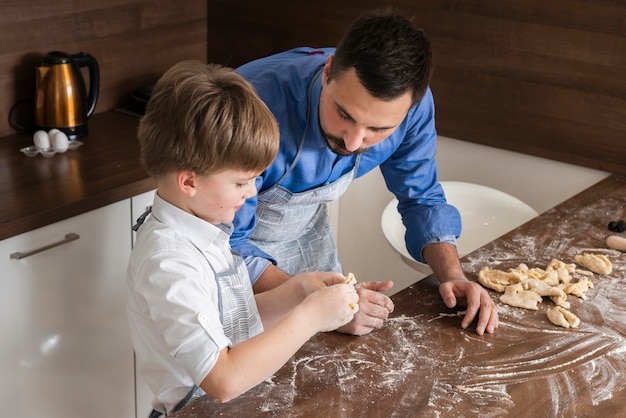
{"x": 326, "y": 72}
{"x": 186, "y": 181}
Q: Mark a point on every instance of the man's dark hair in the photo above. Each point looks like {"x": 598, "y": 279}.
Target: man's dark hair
{"x": 389, "y": 54}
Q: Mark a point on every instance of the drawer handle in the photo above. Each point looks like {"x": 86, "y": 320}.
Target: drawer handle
{"x": 68, "y": 238}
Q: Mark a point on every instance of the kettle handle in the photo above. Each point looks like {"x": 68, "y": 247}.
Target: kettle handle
{"x": 83, "y": 59}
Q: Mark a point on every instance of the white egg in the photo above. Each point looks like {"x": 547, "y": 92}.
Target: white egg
{"x": 41, "y": 140}
{"x": 60, "y": 143}
{"x": 53, "y": 131}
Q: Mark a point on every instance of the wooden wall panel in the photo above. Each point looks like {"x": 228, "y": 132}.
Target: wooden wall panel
{"x": 134, "y": 41}
{"x": 534, "y": 76}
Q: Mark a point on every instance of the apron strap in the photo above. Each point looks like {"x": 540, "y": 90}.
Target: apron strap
{"x": 195, "y": 392}
{"x": 142, "y": 219}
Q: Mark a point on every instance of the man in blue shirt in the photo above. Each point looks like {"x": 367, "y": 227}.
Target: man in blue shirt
{"x": 342, "y": 113}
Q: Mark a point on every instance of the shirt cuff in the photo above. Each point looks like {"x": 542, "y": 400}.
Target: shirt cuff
{"x": 450, "y": 239}
{"x": 256, "y": 267}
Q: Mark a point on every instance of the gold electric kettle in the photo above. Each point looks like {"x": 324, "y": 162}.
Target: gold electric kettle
{"x": 61, "y": 97}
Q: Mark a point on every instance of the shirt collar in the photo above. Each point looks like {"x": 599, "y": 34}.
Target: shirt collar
{"x": 201, "y": 233}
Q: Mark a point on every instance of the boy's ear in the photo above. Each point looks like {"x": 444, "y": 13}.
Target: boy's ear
{"x": 186, "y": 181}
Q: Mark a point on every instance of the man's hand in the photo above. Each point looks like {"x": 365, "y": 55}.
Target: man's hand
{"x": 455, "y": 287}
{"x": 374, "y": 308}
{"x": 477, "y": 300}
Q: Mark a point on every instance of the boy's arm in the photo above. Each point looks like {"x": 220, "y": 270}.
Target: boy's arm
{"x": 250, "y": 362}
{"x": 274, "y": 304}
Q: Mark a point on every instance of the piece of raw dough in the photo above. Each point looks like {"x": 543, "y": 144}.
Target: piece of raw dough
{"x": 515, "y": 295}
{"x": 350, "y": 279}
{"x": 562, "y": 317}
{"x": 541, "y": 288}
{"x": 563, "y": 271}
{"x": 577, "y": 289}
{"x": 598, "y": 263}
{"x": 558, "y": 264}
{"x": 558, "y": 296}
{"x": 497, "y": 280}
{"x": 561, "y": 300}
{"x": 584, "y": 272}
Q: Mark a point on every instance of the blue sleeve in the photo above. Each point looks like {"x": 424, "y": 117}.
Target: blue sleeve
{"x": 411, "y": 175}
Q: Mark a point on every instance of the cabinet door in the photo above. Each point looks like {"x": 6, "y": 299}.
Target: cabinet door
{"x": 66, "y": 349}
{"x": 144, "y": 396}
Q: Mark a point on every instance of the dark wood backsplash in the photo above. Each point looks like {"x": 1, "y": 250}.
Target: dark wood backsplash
{"x": 134, "y": 41}
{"x": 540, "y": 77}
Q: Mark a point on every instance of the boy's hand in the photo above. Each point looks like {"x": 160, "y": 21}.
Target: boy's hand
{"x": 313, "y": 281}
{"x": 332, "y": 306}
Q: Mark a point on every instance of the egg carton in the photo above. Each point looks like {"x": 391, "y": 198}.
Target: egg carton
{"x": 32, "y": 151}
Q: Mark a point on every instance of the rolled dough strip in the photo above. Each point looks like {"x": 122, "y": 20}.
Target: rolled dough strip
{"x": 616, "y": 242}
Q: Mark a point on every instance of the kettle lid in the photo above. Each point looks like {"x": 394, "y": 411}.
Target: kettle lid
{"x": 57, "y": 57}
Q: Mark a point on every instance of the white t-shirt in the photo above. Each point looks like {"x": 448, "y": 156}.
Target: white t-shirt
{"x": 172, "y": 305}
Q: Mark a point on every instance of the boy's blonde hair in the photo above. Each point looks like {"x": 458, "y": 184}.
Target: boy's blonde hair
{"x": 206, "y": 118}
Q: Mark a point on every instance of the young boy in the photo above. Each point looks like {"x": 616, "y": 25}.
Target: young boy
{"x": 196, "y": 325}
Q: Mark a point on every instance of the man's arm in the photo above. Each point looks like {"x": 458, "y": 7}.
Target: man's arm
{"x": 271, "y": 277}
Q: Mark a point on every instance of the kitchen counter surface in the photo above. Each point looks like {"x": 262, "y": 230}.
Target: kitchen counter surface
{"x": 38, "y": 191}
{"x": 423, "y": 364}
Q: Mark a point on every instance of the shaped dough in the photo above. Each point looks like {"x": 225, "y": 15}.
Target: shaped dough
{"x": 562, "y": 317}
{"x": 561, "y": 300}
{"x": 563, "y": 271}
{"x": 584, "y": 272}
{"x": 497, "y": 280}
{"x": 598, "y": 263}
{"x": 350, "y": 279}
{"x": 558, "y": 264}
{"x": 551, "y": 277}
{"x": 524, "y": 287}
{"x": 515, "y": 295}
{"x": 541, "y": 288}
{"x": 579, "y": 288}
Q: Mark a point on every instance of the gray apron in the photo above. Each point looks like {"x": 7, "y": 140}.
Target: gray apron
{"x": 238, "y": 311}
{"x": 294, "y": 228}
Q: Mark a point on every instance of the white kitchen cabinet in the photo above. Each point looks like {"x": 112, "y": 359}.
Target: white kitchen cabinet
{"x": 139, "y": 204}
{"x": 66, "y": 349}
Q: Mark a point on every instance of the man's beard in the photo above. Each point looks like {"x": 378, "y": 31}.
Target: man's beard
{"x": 337, "y": 145}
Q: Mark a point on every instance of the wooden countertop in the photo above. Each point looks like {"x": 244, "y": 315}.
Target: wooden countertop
{"x": 423, "y": 364}
{"x": 38, "y": 191}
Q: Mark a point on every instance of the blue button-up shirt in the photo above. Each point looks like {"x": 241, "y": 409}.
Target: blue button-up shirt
{"x": 290, "y": 84}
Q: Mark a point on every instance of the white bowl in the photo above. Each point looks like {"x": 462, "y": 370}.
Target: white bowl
{"x": 486, "y": 214}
